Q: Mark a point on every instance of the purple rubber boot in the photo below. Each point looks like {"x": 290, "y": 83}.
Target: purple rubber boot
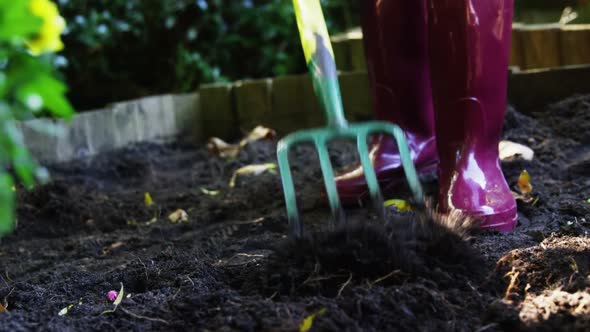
{"x": 469, "y": 50}
{"x": 396, "y": 48}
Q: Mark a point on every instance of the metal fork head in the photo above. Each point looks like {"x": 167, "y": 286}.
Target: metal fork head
{"x": 320, "y": 139}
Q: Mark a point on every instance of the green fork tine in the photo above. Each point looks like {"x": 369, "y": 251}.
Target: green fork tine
{"x": 320, "y": 58}
{"x": 320, "y": 138}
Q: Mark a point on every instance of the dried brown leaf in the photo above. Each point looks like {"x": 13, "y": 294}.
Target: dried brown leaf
{"x": 510, "y": 151}
{"x": 219, "y": 147}
{"x": 178, "y": 216}
{"x": 109, "y": 249}
{"x": 258, "y": 133}
{"x": 524, "y": 183}
{"x": 251, "y": 170}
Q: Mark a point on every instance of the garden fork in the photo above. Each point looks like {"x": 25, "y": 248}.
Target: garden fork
{"x": 321, "y": 64}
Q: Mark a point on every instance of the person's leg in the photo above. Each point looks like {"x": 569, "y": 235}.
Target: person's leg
{"x": 396, "y": 47}
{"x": 469, "y": 51}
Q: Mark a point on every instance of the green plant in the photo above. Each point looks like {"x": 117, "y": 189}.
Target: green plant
{"x": 122, "y": 49}
{"x": 28, "y": 30}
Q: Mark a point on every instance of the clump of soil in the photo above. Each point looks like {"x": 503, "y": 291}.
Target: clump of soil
{"x": 424, "y": 244}
{"x": 549, "y": 283}
{"x": 558, "y": 261}
{"x": 557, "y": 310}
{"x": 231, "y": 266}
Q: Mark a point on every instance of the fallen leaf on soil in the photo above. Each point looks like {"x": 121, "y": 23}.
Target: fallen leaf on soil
{"x": 219, "y": 147}
{"x": 65, "y": 310}
{"x": 147, "y": 199}
{"x": 526, "y": 189}
{"x": 251, "y": 170}
{"x": 117, "y": 301}
{"x": 529, "y": 199}
{"x": 223, "y": 149}
{"x": 399, "y": 205}
{"x": 133, "y": 222}
{"x": 210, "y": 192}
{"x": 258, "y": 133}
{"x": 4, "y": 304}
{"x": 524, "y": 183}
{"x": 119, "y": 296}
{"x": 307, "y": 323}
{"x": 109, "y": 249}
{"x": 513, "y": 151}
{"x": 178, "y": 216}
{"x": 153, "y": 220}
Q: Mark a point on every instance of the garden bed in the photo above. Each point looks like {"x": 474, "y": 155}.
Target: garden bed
{"x": 232, "y": 267}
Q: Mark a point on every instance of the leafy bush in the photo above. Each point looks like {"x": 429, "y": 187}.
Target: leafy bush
{"x": 28, "y": 87}
{"x": 119, "y": 49}
{"x": 550, "y": 11}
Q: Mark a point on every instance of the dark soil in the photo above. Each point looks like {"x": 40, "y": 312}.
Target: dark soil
{"x": 231, "y": 266}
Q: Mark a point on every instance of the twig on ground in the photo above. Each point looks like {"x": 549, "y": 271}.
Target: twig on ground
{"x": 316, "y": 270}
{"x": 323, "y": 278}
{"x": 344, "y": 285}
{"x": 159, "y": 320}
{"x": 145, "y": 270}
{"x": 191, "y": 280}
{"x": 389, "y": 275}
{"x": 175, "y": 294}
{"x": 487, "y": 327}
{"x": 289, "y": 315}
{"x": 272, "y": 296}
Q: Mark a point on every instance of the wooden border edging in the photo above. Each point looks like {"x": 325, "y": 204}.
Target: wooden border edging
{"x": 227, "y": 111}
{"x": 534, "y": 46}
{"x": 156, "y": 118}
{"x": 531, "y": 91}
{"x": 288, "y": 103}
{"x": 284, "y": 103}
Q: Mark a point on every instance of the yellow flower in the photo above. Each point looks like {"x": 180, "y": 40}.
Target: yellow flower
{"x": 48, "y": 37}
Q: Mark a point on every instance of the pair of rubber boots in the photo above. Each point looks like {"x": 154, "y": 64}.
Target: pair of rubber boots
{"x": 438, "y": 69}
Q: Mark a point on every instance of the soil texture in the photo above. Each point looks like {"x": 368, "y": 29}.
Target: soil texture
{"x": 231, "y": 266}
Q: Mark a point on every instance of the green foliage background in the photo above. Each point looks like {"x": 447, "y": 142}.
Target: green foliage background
{"x": 549, "y": 11}
{"x": 119, "y": 49}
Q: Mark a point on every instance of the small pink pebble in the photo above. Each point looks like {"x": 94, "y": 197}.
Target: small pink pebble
{"x": 112, "y": 295}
